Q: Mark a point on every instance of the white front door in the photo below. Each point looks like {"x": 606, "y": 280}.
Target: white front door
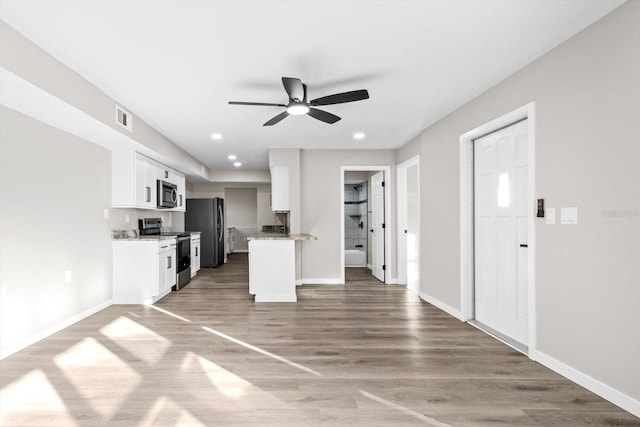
{"x": 377, "y": 225}
{"x": 500, "y": 224}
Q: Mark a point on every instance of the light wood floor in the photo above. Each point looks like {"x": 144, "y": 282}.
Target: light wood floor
{"x": 363, "y": 354}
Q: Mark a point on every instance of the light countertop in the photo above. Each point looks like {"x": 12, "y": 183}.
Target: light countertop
{"x": 279, "y": 236}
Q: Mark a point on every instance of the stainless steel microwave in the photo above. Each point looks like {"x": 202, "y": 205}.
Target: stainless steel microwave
{"x": 167, "y": 195}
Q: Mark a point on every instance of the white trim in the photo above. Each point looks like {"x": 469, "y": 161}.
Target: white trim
{"x": 387, "y": 214}
{"x": 298, "y": 282}
{"x": 614, "y": 396}
{"x": 14, "y": 348}
{"x": 276, "y": 298}
{"x": 240, "y": 251}
{"x": 322, "y": 281}
{"x": 441, "y": 305}
{"x": 369, "y": 266}
{"x": 393, "y": 281}
{"x": 466, "y": 216}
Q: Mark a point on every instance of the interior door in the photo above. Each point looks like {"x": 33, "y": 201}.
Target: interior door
{"x": 500, "y": 227}
{"x": 377, "y": 225}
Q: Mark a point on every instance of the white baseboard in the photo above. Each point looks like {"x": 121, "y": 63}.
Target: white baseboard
{"x": 392, "y": 281}
{"x": 276, "y": 298}
{"x": 614, "y": 396}
{"x": 239, "y": 251}
{"x": 441, "y": 305}
{"x": 369, "y": 266}
{"x": 14, "y": 348}
{"x": 321, "y": 281}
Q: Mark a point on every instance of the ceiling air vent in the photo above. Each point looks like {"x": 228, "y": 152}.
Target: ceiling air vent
{"x": 124, "y": 118}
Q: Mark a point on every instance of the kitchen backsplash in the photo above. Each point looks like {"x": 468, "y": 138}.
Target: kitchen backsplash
{"x": 118, "y": 217}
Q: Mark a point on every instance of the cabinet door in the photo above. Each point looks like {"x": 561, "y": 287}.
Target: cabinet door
{"x": 171, "y": 270}
{"x": 145, "y": 183}
{"x": 196, "y": 262}
{"x": 279, "y": 188}
{"x": 167, "y": 276}
{"x": 179, "y": 180}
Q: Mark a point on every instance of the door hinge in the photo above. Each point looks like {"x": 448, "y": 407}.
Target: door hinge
{"x": 382, "y": 225}
{"x": 383, "y": 183}
{"x": 384, "y": 267}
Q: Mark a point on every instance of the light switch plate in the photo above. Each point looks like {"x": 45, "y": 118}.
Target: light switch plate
{"x": 569, "y": 216}
{"x": 550, "y": 215}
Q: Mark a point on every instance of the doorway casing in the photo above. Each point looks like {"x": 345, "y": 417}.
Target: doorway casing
{"x": 387, "y": 215}
{"x": 467, "y": 215}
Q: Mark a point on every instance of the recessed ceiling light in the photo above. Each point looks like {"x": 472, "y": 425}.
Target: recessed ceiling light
{"x": 237, "y": 164}
{"x": 216, "y": 136}
{"x": 358, "y": 135}
{"x": 232, "y": 157}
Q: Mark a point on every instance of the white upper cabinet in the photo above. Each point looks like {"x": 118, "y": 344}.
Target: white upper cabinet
{"x": 280, "y": 188}
{"x": 134, "y": 181}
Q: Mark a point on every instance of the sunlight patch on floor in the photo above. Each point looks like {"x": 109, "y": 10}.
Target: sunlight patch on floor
{"x": 261, "y": 351}
{"x": 88, "y": 363}
{"x": 165, "y": 409}
{"x": 135, "y": 338}
{"x": 168, "y": 313}
{"x": 422, "y": 417}
{"x": 31, "y": 397}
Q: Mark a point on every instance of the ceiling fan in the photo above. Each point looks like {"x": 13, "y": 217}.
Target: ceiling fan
{"x": 298, "y": 104}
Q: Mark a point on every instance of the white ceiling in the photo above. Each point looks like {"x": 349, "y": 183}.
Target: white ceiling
{"x": 176, "y": 64}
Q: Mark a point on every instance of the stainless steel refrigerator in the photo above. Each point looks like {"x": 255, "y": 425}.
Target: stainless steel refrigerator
{"x": 207, "y": 217}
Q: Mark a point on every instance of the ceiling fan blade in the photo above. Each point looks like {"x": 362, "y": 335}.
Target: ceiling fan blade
{"x": 276, "y": 119}
{"x": 323, "y": 116}
{"x": 267, "y": 104}
{"x": 294, "y": 88}
{"x": 340, "y": 98}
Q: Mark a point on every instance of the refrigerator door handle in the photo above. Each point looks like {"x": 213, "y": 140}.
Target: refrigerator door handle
{"x": 220, "y": 224}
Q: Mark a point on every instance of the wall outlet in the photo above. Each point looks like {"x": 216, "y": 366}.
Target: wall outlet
{"x": 126, "y": 218}
{"x": 106, "y": 214}
{"x": 67, "y": 276}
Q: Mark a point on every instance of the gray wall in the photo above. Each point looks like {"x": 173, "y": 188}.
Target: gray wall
{"x": 321, "y": 209}
{"x": 241, "y": 212}
{"x": 55, "y": 188}
{"x": 587, "y": 94}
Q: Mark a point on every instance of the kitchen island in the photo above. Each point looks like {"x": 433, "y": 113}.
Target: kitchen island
{"x": 272, "y": 266}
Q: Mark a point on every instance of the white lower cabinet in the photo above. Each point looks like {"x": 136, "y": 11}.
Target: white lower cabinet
{"x": 143, "y": 270}
{"x": 167, "y": 266}
{"x": 195, "y": 253}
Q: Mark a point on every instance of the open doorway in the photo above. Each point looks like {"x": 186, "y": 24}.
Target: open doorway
{"x": 408, "y": 197}
{"x": 364, "y": 234}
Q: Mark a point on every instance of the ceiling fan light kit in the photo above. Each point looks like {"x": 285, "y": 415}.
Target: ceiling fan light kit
{"x": 298, "y": 104}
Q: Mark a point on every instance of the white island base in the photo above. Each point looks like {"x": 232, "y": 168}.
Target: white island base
{"x": 272, "y": 266}
{"x": 272, "y": 270}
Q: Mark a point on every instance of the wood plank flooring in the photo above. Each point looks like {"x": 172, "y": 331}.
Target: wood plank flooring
{"x": 364, "y": 354}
